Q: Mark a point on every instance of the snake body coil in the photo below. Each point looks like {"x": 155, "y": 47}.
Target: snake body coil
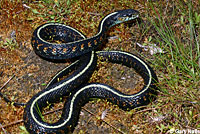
{"x": 73, "y": 44}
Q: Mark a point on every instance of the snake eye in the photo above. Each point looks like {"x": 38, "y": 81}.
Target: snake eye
{"x": 130, "y": 15}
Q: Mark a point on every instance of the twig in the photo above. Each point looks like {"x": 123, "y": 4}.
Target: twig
{"x": 7, "y": 82}
{"x": 12, "y": 123}
{"x": 20, "y": 121}
{"x": 144, "y": 110}
{"x": 7, "y": 99}
{"x": 103, "y": 120}
{"x": 3, "y": 129}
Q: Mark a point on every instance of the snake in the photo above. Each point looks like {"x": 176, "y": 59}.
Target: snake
{"x": 56, "y": 41}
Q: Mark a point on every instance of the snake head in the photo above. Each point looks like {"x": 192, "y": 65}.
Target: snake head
{"x": 116, "y": 18}
{"x": 125, "y": 15}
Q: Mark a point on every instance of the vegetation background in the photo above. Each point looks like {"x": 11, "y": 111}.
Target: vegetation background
{"x": 167, "y": 38}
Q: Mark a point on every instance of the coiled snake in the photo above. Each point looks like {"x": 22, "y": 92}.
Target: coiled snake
{"x": 75, "y": 44}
